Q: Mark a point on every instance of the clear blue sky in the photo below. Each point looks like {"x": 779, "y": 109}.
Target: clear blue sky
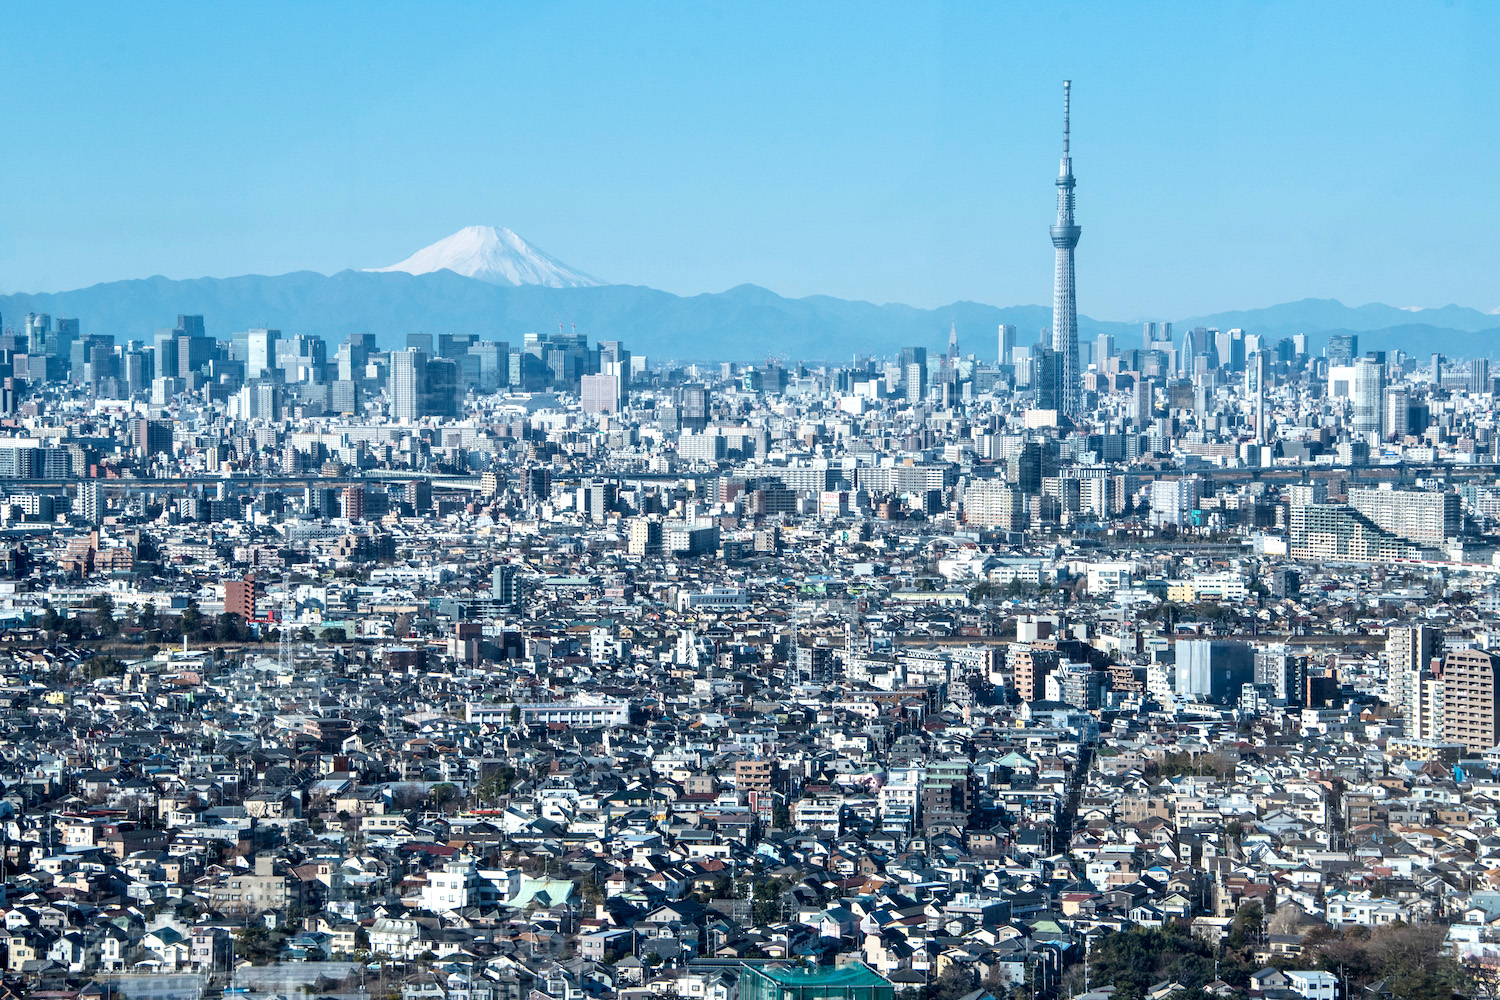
{"x": 1228, "y": 155}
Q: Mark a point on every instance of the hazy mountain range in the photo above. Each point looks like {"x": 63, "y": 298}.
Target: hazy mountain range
{"x": 510, "y": 288}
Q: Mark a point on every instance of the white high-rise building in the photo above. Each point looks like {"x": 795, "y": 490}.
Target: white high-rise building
{"x": 1427, "y": 517}
{"x": 1409, "y": 651}
{"x": 1368, "y": 389}
{"x": 89, "y": 502}
{"x": 1173, "y": 501}
{"x": 408, "y": 382}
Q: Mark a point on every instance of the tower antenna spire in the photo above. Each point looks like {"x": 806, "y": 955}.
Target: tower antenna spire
{"x": 1067, "y": 98}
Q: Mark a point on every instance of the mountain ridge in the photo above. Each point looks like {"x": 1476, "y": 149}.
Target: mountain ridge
{"x": 743, "y": 323}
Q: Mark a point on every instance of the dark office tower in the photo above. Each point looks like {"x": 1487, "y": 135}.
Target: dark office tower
{"x": 443, "y": 396}
{"x": 190, "y": 326}
{"x": 166, "y": 353}
{"x": 153, "y": 437}
{"x": 451, "y": 345}
{"x": 364, "y": 342}
{"x": 1023, "y": 469}
{"x": 102, "y": 364}
{"x": 193, "y": 351}
{"x": 85, "y": 351}
{"x": 419, "y": 495}
{"x": 1064, "y": 298}
{"x": 695, "y": 404}
{"x": 538, "y": 483}
{"x": 491, "y": 359}
{"x": 64, "y": 335}
{"x": 344, "y": 396}
{"x": 419, "y": 342}
{"x": 1046, "y": 378}
{"x": 1342, "y": 349}
{"x": 913, "y": 356}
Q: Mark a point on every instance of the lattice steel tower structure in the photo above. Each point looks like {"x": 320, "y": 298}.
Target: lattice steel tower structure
{"x": 1064, "y": 302}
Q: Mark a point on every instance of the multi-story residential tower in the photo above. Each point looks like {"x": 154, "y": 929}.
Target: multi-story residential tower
{"x": 1369, "y": 385}
{"x": 1064, "y": 301}
{"x": 408, "y": 384}
{"x": 1409, "y": 651}
{"x": 1470, "y": 702}
{"x": 1427, "y": 517}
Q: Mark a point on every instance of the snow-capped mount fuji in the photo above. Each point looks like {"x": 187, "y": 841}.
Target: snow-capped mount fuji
{"x": 496, "y": 255}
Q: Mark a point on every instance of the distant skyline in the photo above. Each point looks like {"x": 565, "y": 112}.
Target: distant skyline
{"x": 1227, "y": 157}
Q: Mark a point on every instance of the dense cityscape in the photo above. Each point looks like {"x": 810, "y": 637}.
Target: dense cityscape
{"x": 1008, "y": 667}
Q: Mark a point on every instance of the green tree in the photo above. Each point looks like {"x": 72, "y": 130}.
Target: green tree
{"x": 1141, "y": 957}
{"x": 258, "y": 943}
{"x": 192, "y": 618}
{"x": 229, "y": 627}
{"x": 104, "y": 615}
{"x": 495, "y": 784}
{"x": 1246, "y": 925}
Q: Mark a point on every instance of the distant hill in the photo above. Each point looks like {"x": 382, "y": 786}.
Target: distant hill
{"x": 745, "y": 323}
{"x": 1331, "y": 314}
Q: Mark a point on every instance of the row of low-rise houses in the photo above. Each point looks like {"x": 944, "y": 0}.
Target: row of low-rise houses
{"x": 619, "y": 690}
